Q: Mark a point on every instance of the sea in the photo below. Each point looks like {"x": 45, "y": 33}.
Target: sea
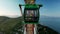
{"x": 52, "y": 22}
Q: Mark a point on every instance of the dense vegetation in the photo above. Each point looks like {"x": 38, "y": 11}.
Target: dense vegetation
{"x": 7, "y": 24}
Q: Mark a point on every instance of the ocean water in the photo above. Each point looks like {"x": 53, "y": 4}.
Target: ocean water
{"x": 52, "y": 22}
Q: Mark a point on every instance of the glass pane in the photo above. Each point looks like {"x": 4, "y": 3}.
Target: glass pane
{"x": 31, "y": 13}
{"x": 36, "y": 13}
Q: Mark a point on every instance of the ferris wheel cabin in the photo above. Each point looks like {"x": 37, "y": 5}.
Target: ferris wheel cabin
{"x": 31, "y": 13}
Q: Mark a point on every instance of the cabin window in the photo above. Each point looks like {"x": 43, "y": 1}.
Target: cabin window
{"x": 31, "y": 15}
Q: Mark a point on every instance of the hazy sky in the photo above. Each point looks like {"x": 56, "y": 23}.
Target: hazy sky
{"x": 11, "y": 8}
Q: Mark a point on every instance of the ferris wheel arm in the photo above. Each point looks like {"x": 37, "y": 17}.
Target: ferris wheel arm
{"x": 20, "y": 8}
{"x": 40, "y": 6}
{"x": 27, "y": 5}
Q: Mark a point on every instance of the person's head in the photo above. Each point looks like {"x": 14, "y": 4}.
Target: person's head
{"x": 29, "y": 1}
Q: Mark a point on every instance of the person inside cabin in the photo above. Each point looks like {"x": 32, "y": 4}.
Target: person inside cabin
{"x": 30, "y": 13}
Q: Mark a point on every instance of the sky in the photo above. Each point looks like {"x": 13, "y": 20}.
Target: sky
{"x": 50, "y": 8}
{"x": 11, "y": 8}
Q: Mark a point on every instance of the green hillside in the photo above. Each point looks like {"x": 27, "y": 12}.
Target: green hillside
{"x": 7, "y": 24}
